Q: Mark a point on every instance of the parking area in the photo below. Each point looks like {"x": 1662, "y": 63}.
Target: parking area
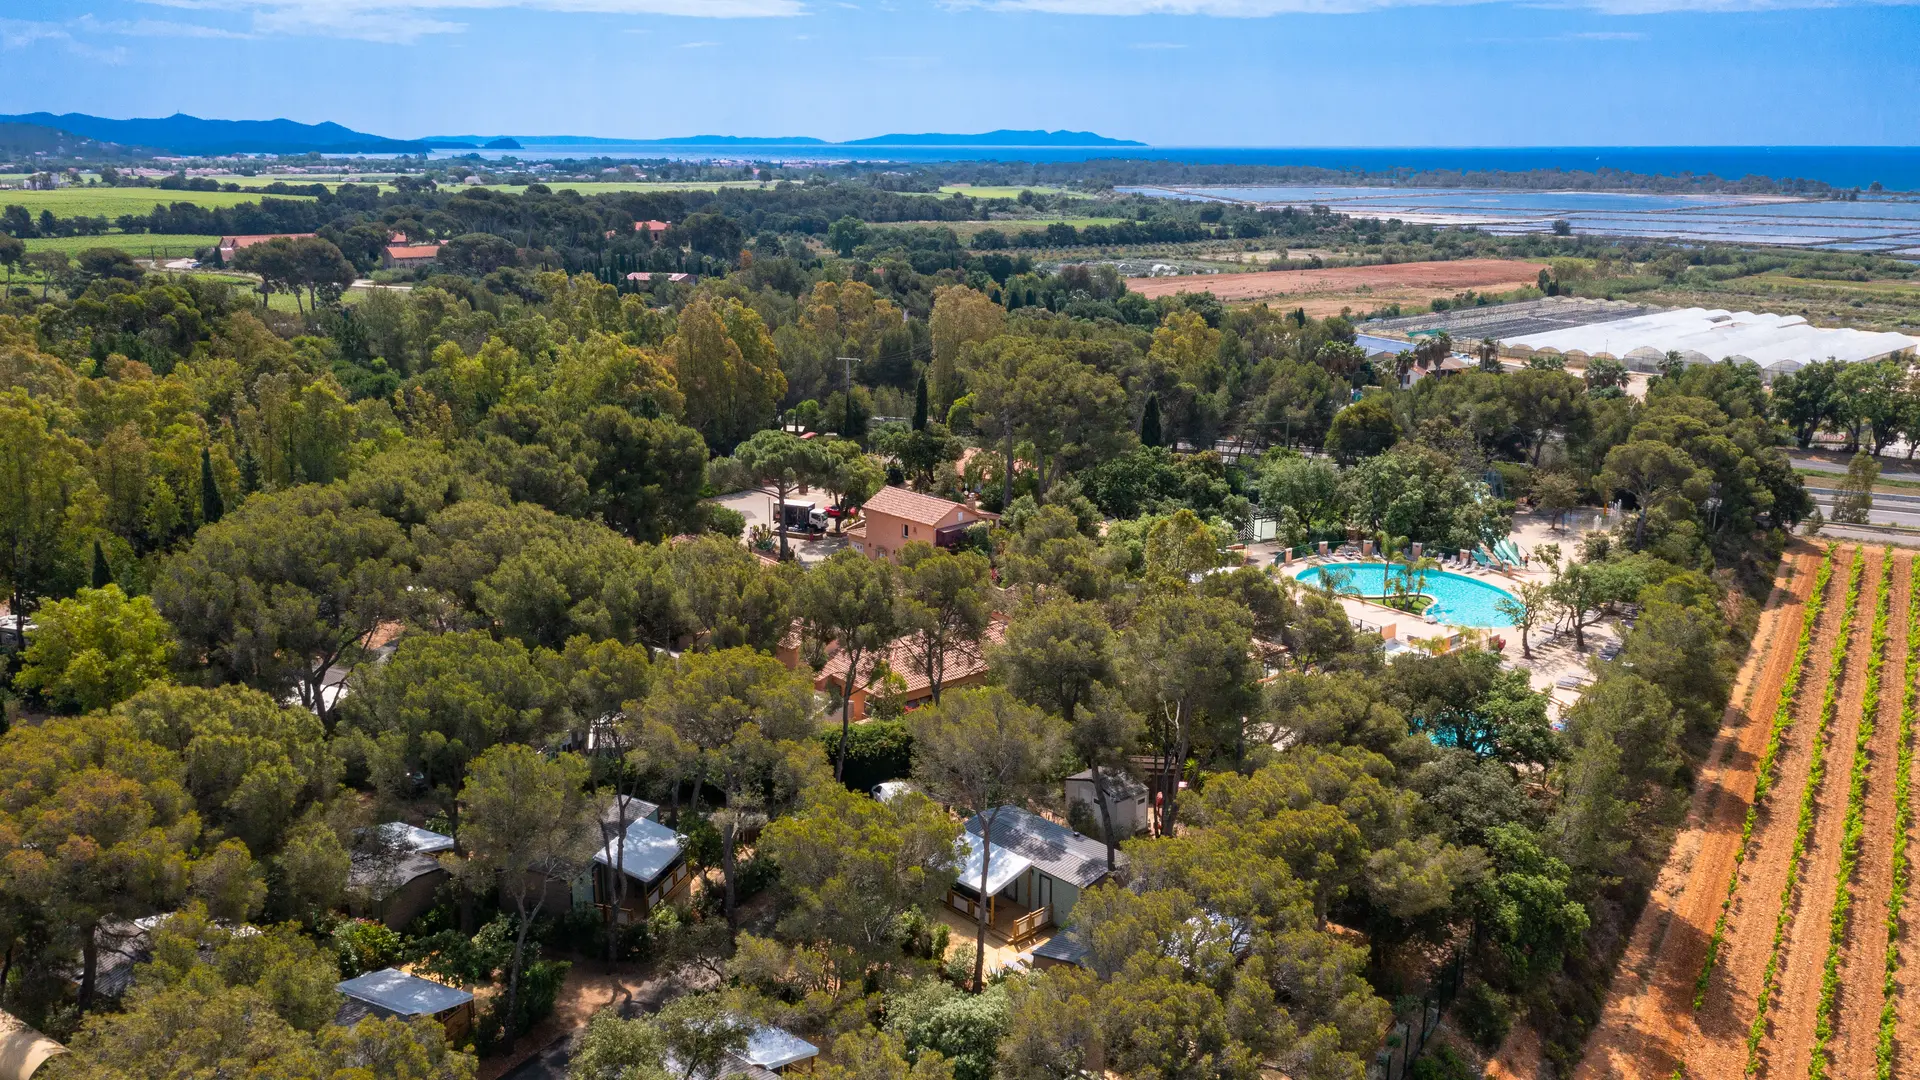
{"x": 759, "y": 509}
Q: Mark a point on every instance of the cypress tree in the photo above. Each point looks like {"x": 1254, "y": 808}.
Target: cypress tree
{"x": 920, "y": 405}
{"x": 211, "y": 504}
{"x": 1150, "y": 422}
{"x": 102, "y": 573}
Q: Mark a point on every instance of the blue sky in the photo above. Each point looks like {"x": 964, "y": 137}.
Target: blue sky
{"x": 1168, "y": 72}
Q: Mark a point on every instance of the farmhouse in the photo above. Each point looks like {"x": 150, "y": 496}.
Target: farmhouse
{"x": 233, "y": 245}
{"x": 391, "y": 993}
{"x": 963, "y": 666}
{"x": 895, "y": 517}
{"x": 405, "y": 256}
{"x": 1033, "y": 875}
{"x": 394, "y": 875}
{"x": 656, "y": 228}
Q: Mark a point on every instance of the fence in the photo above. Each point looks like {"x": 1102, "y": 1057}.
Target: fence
{"x": 1415, "y": 1025}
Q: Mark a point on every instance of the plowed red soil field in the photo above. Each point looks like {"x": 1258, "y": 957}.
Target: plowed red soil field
{"x": 1356, "y": 286}
{"x": 1650, "y": 1027}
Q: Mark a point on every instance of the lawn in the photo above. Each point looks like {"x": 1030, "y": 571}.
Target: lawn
{"x": 139, "y": 245}
{"x": 112, "y": 202}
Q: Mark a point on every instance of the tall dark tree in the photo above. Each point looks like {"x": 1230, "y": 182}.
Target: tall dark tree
{"x": 1150, "y": 422}
{"x": 920, "y": 405}
{"x": 212, "y": 506}
{"x": 102, "y": 573}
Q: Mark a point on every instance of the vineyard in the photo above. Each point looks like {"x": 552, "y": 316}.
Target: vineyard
{"x": 1777, "y": 941}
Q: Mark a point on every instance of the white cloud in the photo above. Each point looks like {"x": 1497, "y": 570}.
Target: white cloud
{"x": 407, "y": 21}
{"x": 21, "y": 34}
{"x": 154, "y": 28}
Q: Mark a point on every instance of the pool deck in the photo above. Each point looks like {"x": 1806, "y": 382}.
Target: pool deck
{"x": 1555, "y": 661}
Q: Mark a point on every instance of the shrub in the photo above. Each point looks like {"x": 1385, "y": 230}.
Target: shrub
{"x": 1443, "y": 1062}
{"x": 877, "y": 750}
{"x": 364, "y": 945}
{"x": 1483, "y": 1014}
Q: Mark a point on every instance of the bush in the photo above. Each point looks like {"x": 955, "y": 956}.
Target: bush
{"x": 363, "y": 945}
{"x": 756, "y": 876}
{"x": 878, "y": 750}
{"x": 959, "y": 965}
{"x": 1483, "y": 1014}
{"x": 1443, "y": 1062}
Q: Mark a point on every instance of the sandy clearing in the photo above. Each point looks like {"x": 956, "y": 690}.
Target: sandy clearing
{"x": 1380, "y": 281}
{"x": 1648, "y": 1017}
{"x": 1788, "y": 1049}
{"x": 1862, "y": 963}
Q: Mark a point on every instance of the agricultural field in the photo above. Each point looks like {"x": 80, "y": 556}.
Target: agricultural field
{"x": 1327, "y": 292}
{"x": 112, "y": 202}
{"x": 966, "y": 230}
{"x": 139, "y": 245}
{"x": 1006, "y": 191}
{"x": 1776, "y": 942}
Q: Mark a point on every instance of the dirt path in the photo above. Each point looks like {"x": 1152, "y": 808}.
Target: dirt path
{"x": 1857, "y": 1017}
{"x": 1648, "y": 1018}
{"x": 1788, "y": 1048}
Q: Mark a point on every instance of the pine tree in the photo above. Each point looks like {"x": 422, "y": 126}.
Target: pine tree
{"x": 1854, "y": 502}
{"x": 212, "y": 506}
{"x": 249, "y": 470}
{"x": 102, "y": 573}
{"x": 920, "y": 405}
{"x": 1150, "y": 422}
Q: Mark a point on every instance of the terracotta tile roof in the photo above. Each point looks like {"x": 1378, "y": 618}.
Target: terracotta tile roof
{"x": 413, "y": 251}
{"x": 237, "y": 242}
{"x": 913, "y": 506}
{"x": 961, "y": 663}
{"x": 652, "y": 226}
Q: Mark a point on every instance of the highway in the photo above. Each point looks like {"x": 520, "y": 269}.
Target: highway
{"x": 1888, "y": 508}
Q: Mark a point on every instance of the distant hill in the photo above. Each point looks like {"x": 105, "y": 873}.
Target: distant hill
{"x": 183, "y": 134}
{"x": 1002, "y": 137}
{"x": 26, "y": 140}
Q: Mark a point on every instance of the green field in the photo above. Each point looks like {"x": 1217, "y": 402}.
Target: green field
{"x": 332, "y": 180}
{"x": 990, "y": 191}
{"x": 139, "y": 245}
{"x": 112, "y": 202}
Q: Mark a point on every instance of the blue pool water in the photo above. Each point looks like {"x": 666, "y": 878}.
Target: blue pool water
{"x": 1457, "y": 599}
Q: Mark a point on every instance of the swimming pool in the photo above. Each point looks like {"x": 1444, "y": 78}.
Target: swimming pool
{"x": 1457, "y": 599}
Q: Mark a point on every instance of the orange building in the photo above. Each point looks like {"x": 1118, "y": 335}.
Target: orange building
{"x": 896, "y": 517}
{"x": 964, "y": 666}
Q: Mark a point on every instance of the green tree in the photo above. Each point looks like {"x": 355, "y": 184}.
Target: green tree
{"x": 526, "y": 825}
{"x": 981, "y": 749}
{"x": 612, "y": 1048}
{"x": 740, "y": 721}
{"x": 1651, "y": 472}
{"x": 1853, "y": 504}
{"x": 42, "y": 491}
{"x": 286, "y": 587}
{"x": 1526, "y": 906}
{"x": 1362, "y": 429}
{"x": 726, "y": 364}
{"x": 945, "y": 608}
{"x": 850, "y": 475}
{"x": 1185, "y": 662}
{"x": 441, "y": 701}
{"x": 853, "y": 603}
{"x": 1524, "y": 608}
{"x": 846, "y": 234}
{"x": 252, "y": 765}
{"x": 700, "y": 1033}
{"x": 1465, "y": 699}
{"x": 1150, "y": 422}
{"x": 879, "y": 1055}
{"x": 96, "y": 649}
{"x": 855, "y": 865}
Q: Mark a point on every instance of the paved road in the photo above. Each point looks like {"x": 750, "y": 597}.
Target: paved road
{"x": 1888, "y": 508}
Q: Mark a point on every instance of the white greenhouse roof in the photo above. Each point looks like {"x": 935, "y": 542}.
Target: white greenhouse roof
{"x": 402, "y": 994}
{"x": 1007, "y": 865}
{"x": 1713, "y": 333}
{"x": 414, "y": 838}
{"x": 774, "y": 1048}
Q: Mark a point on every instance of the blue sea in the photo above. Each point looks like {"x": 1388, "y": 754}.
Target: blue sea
{"x": 1895, "y": 167}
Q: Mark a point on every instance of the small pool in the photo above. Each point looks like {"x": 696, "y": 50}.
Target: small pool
{"x": 1457, "y": 599}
